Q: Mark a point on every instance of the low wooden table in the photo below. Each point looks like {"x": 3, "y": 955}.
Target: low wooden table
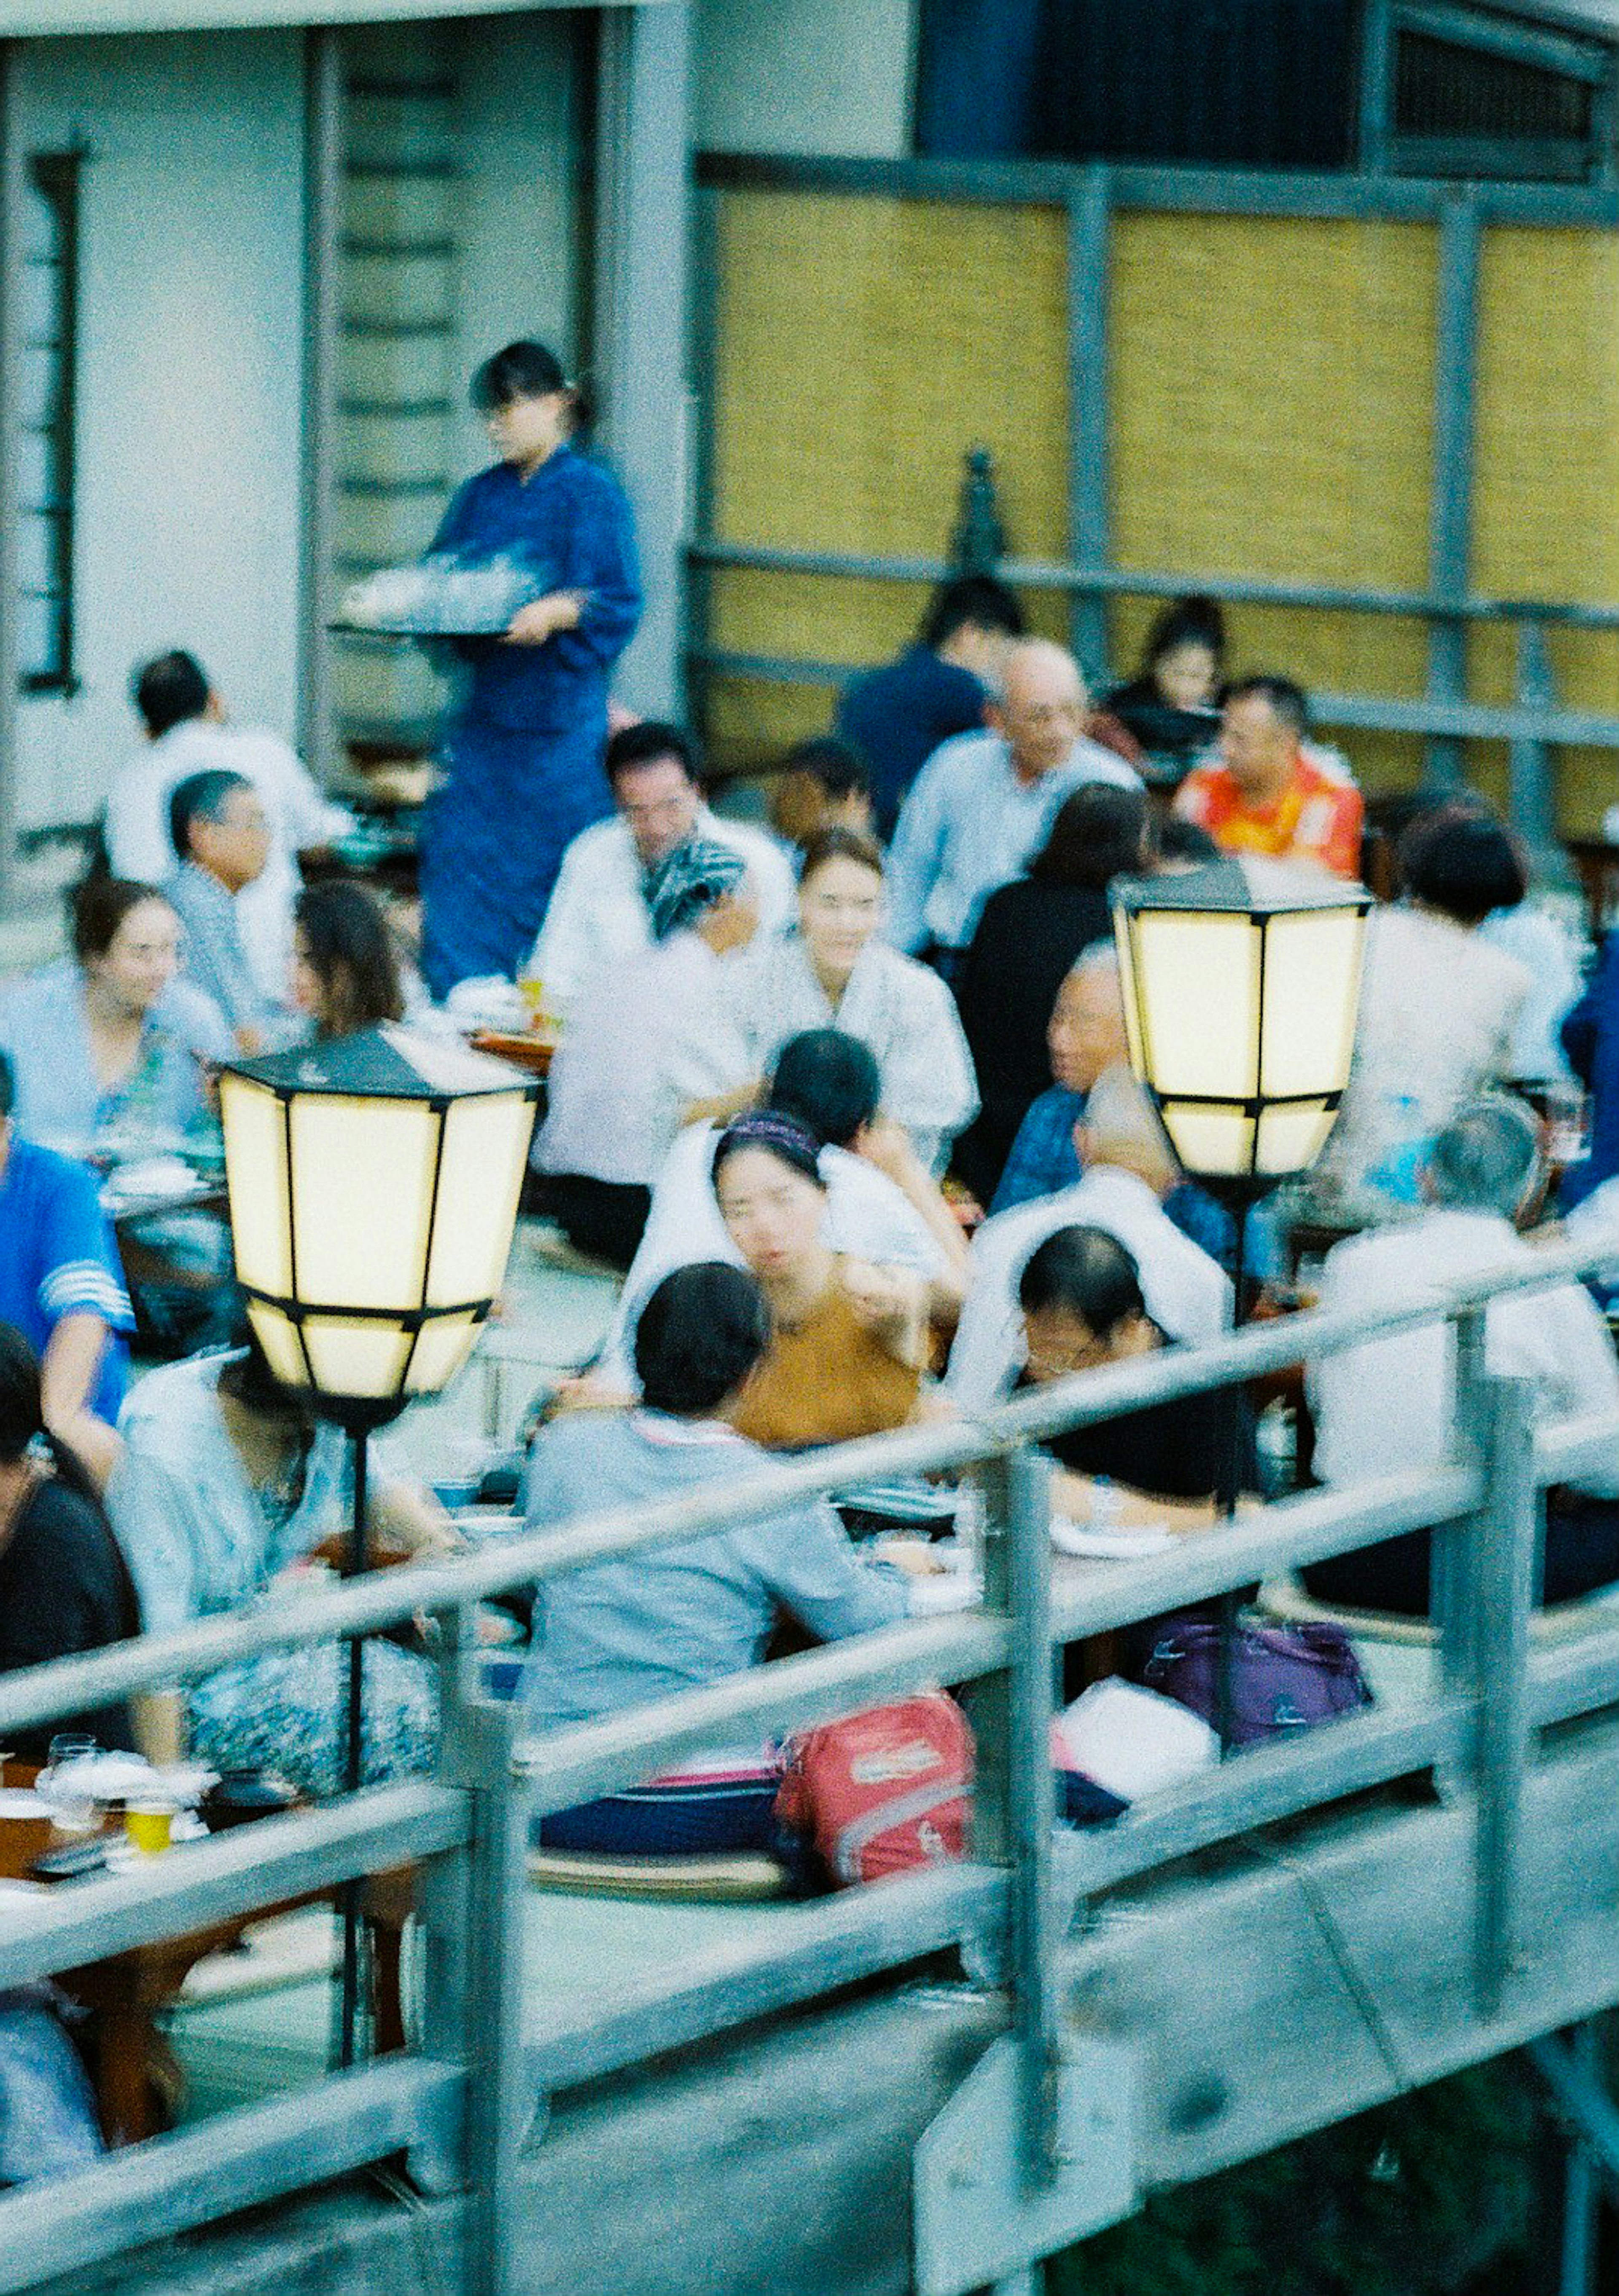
{"x": 132, "y": 2069}
{"x": 532, "y": 1053}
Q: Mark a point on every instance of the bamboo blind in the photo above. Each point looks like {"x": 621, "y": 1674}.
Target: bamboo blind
{"x": 1271, "y": 390}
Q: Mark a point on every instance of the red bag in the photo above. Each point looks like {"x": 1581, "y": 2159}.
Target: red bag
{"x": 884, "y": 1791}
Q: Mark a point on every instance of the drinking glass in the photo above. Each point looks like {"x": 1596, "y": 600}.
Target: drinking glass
{"x": 72, "y": 1804}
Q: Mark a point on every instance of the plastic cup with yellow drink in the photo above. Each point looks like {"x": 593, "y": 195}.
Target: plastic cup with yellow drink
{"x": 149, "y": 1820}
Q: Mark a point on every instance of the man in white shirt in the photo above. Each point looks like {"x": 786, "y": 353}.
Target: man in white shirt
{"x": 599, "y": 911}
{"x": 1389, "y": 1407}
{"x": 601, "y": 1142}
{"x": 187, "y": 733}
{"x": 882, "y": 1205}
{"x": 1128, "y": 1170}
{"x": 983, "y": 803}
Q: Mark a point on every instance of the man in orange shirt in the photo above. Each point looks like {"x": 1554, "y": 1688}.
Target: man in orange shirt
{"x": 1265, "y": 795}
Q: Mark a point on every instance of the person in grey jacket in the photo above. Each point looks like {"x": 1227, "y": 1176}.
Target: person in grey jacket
{"x": 622, "y": 1633}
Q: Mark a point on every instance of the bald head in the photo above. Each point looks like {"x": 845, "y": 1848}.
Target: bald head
{"x": 1120, "y": 1126}
{"x": 1086, "y": 1030}
{"x": 1041, "y": 709}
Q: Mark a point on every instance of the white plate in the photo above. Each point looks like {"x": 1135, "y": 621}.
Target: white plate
{"x": 1097, "y": 1545}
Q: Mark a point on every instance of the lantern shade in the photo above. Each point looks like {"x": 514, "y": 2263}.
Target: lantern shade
{"x": 374, "y": 1189}
{"x": 1241, "y": 985}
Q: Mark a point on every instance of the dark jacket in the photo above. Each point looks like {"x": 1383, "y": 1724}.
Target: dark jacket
{"x": 1027, "y": 939}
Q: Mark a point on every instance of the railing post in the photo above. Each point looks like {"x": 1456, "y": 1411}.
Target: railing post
{"x": 1531, "y": 797}
{"x": 1090, "y": 222}
{"x": 500, "y": 2100}
{"x": 1505, "y": 1544}
{"x": 1453, "y": 1607}
{"x": 473, "y": 1918}
{"x": 1014, "y": 1802}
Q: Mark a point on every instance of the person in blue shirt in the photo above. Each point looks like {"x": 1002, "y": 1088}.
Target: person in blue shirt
{"x": 897, "y": 716}
{"x": 62, "y": 1285}
{"x": 622, "y": 1634}
{"x": 108, "y": 1045}
{"x": 522, "y": 750}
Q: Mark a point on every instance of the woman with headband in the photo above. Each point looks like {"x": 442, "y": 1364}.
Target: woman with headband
{"x": 848, "y": 1340}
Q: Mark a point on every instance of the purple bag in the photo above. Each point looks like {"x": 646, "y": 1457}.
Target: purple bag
{"x": 1283, "y": 1678}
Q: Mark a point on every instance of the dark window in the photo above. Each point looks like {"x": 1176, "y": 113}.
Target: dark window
{"x": 50, "y": 317}
{"x": 1209, "y": 83}
{"x": 1465, "y": 101}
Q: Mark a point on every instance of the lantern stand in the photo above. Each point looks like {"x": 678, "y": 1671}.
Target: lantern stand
{"x": 1241, "y": 990}
{"x": 374, "y": 1182}
{"x": 358, "y": 1424}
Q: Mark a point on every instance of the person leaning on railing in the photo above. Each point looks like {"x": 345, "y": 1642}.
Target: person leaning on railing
{"x": 64, "y": 1586}
{"x": 61, "y": 1284}
{"x": 1388, "y": 1406}
{"x": 226, "y": 1484}
{"x": 621, "y": 1633}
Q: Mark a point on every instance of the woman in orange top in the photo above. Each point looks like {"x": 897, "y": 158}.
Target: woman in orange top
{"x": 848, "y": 1339}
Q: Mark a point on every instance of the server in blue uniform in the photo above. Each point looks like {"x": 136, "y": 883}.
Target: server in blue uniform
{"x": 521, "y": 756}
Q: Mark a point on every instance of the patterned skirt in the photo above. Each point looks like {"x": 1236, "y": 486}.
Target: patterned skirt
{"x": 288, "y": 1712}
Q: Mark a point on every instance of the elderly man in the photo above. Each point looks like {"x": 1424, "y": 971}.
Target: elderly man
{"x": 1271, "y": 793}
{"x": 221, "y": 838}
{"x": 1084, "y": 1036}
{"x": 983, "y": 802}
{"x": 601, "y": 911}
{"x": 189, "y": 731}
{"x": 1128, "y": 1171}
{"x": 1388, "y": 1406}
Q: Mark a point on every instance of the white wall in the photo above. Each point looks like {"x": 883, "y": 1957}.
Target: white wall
{"x": 518, "y": 119}
{"x": 190, "y": 381}
{"x": 831, "y": 77}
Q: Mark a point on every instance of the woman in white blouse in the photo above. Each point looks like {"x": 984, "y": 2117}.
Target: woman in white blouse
{"x": 831, "y": 971}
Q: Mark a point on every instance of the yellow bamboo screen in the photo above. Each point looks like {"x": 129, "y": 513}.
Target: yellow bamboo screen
{"x": 1271, "y": 389}
{"x": 862, "y": 346}
{"x": 1272, "y": 393}
{"x": 1547, "y": 502}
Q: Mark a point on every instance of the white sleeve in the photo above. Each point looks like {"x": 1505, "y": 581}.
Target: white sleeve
{"x": 913, "y": 860}
{"x": 774, "y": 886}
{"x": 929, "y": 1084}
{"x": 310, "y": 817}
{"x": 138, "y": 845}
{"x": 870, "y": 1216}
{"x": 1589, "y": 1376}
{"x": 562, "y": 954}
{"x": 683, "y": 1226}
{"x": 989, "y": 1348}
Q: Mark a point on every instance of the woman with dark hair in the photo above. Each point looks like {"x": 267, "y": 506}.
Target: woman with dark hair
{"x": 831, "y": 970}
{"x": 1028, "y": 937}
{"x": 63, "y": 1584}
{"x": 522, "y": 750}
{"x": 345, "y": 968}
{"x": 106, "y": 1045}
{"x": 673, "y": 1618}
{"x": 227, "y": 1483}
{"x": 1170, "y": 708}
{"x": 1438, "y": 1006}
{"x": 1080, "y": 1295}
{"x": 848, "y": 1340}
